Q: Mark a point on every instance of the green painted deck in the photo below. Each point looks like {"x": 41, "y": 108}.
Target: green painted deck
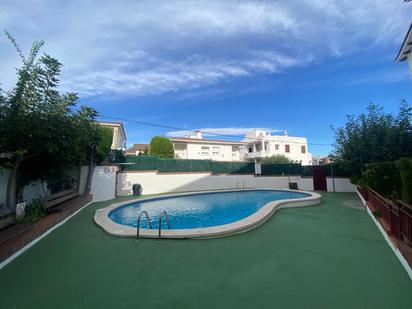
{"x": 325, "y": 256}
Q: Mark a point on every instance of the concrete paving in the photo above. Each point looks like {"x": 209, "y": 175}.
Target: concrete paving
{"x": 325, "y": 256}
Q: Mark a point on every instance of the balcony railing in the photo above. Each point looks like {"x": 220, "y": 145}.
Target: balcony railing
{"x": 254, "y": 155}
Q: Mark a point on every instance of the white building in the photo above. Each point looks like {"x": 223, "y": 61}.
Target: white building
{"x": 195, "y": 147}
{"x": 119, "y": 135}
{"x": 261, "y": 144}
{"x": 321, "y": 160}
{"x": 405, "y": 52}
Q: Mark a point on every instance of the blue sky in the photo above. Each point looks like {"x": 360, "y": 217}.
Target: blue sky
{"x": 224, "y": 66}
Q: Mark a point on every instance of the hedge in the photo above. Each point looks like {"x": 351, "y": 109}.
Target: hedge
{"x": 405, "y": 168}
{"x": 218, "y": 167}
{"x": 178, "y": 165}
{"x": 383, "y": 177}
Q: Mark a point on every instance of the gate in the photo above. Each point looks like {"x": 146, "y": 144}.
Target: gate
{"x": 319, "y": 178}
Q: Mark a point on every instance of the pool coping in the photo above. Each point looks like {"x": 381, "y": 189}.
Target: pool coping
{"x": 101, "y": 217}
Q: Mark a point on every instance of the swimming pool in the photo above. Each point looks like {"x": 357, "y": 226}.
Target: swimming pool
{"x": 200, "y": 210}
{"x": 201, "y": 214}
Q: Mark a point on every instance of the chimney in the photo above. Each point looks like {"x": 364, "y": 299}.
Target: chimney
{"x": 198, "y": 135}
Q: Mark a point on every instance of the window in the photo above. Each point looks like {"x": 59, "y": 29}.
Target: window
{"x": 215, "y": 151}
{"x": 250, "y": 149}
{"x": 287, "y": 148}
{"x": 303, "y": 148}
{"x": 276, "y": 147}
{"x": 205, "y": 150}
{"x": 180, "y": 146}
{"x": 266, "y": 146}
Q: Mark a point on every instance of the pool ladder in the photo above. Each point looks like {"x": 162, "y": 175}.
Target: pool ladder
{"x": 238, "y": 185}
{"x": 144, "y": 212}
{"x": 160, "y": 223}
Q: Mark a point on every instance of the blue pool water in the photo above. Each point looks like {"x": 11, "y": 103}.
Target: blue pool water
{"x": 200, "y": 210}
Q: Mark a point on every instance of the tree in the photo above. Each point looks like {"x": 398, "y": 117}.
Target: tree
{"x": 373, "y": 137}
{"x": 276, "y": 159}
{"x": 105, "y": 144}
{"x": 42, "y": 132}
{"x": 162, "y": 147}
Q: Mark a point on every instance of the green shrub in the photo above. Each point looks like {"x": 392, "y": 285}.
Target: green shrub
{"x": 377, "y": 213}
{"x": 117, "y": 156}
{"x": 162, "y": 147}
{"x": 276, "y": 159}
{"x": 34, "y": 211}
{"x": 383, "y": 177}
{"x": 338, "y": 170}
{"x": 282, "y": 169}
{"x": 104, "y": 145}
{"x": 405, "y": 168}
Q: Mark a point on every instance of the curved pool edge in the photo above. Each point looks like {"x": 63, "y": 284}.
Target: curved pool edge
{"x": 101, "y": 217}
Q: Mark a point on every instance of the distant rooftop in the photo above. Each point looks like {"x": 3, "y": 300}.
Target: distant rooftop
{"x": 137, "y": 147}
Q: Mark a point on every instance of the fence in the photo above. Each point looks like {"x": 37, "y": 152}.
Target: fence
{"x": 395, "y": 215}
{"x": 176, "y": 165}
{"x": 142, "y": 163}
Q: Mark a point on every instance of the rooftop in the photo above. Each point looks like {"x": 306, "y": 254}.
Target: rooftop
{"x": 326, "y": 256}
{"x": 406, "y": 46}
{"x": 137, "y": 147}
{"x": 198, "y": 140}
{"x": 113, "y": 124}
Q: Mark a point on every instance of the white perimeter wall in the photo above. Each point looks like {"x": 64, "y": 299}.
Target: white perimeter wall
{"x": 105, "y": 186}
{"x": 104, "y": 183}
{"x": 153, "y": 183}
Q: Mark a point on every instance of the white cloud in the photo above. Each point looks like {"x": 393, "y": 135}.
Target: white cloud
{"x": 163, "y": 76}
{"x": 151, "y": 47}
{"x": 228, "y": 131}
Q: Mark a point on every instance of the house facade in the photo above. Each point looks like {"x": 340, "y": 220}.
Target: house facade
{"x": 321, "y": 160}
{"x": 137, "y": 149}
{"x": 195, "y": 147}
{"x": 119, "y": 134}
{"x": 405, "y": 52}
{"x": 260, "y": 144}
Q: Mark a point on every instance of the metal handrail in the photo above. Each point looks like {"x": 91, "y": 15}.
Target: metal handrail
{"x": 160, "y": 223}
{"x": 237, "y": 185}
{"x": 244, "y": 185}
{"x": 138, "y": 222}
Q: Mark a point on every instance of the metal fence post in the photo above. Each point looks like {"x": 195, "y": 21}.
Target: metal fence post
{"x": 333, "y": 177}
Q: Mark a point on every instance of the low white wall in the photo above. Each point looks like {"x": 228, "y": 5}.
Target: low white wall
{"x": 341, "y": 185}
{"x": 305, "y": 183}
{"x": 154, "y": 183}
{"x": 34, "y": 191}
{"x": 104, "y": 183}
{"x": 30, "y": 192}
{"x": 84, "y": 171}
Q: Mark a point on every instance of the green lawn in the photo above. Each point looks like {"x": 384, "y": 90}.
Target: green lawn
{"x": 325, "y": 256}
